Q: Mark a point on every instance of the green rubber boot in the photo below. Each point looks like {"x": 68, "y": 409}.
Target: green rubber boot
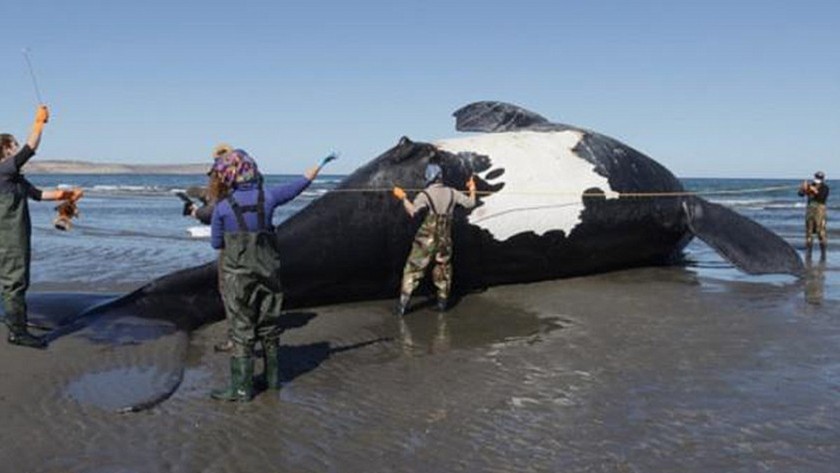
{"x": 20, "y": 336}
{"x": 271, "y": 357}
{"x": 16, "y": 320}
{"x": 241, "y": 388}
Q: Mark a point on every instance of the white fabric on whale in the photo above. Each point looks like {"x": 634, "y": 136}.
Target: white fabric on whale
{"x": 544, "y": 180}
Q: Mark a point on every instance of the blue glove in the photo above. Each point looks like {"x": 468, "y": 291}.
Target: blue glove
{"x": 331, "y": 157}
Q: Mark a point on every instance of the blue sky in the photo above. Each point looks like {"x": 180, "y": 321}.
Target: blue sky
{"x": 709, "y": 89}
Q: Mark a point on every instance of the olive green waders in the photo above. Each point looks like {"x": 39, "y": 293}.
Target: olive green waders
{"x": 15, "y": 256}
{"x": 253, "y": 299}
{"x": 815, "y": 224}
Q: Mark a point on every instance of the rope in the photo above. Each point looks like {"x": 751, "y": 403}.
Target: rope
{"x": 577, "y": 202}
{"x": 591, "y": 194}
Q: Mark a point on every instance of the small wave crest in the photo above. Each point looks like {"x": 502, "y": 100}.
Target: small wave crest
{"x": 759, "y": 203}
{"x": 127, "y": 189}
{"x": 314, "y": 192}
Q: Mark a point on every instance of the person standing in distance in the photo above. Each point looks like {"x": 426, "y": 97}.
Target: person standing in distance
{"x": 815, "y": 216}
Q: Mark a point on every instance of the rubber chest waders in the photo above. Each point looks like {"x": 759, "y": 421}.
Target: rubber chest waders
{"x": 815, "y": 223}
{"x": 433, "y": 240}
{"x": 15, "y": 255}
{"x": 251, "y": 285}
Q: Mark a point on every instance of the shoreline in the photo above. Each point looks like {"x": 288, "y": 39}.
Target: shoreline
{"x": 87, "y": 167}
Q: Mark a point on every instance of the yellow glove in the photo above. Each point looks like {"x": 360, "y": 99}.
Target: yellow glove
{"x": 471, "y": 184}
{"x": 399, "y": 193}
{"x": 71, "y": 195}
{"x": 42, "y": 115}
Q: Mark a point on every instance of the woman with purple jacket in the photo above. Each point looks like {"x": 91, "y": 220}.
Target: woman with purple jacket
{"x": 250, "y": 266}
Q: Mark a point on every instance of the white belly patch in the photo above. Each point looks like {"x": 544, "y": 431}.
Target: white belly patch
{"x": 543, "y": 181}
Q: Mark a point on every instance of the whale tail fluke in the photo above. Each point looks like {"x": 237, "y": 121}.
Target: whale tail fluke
{"x": 751, "y": 247}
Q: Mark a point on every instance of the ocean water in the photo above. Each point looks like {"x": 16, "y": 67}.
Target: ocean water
{"x": 775, "y": 204}
{"x": 131, "y": 229}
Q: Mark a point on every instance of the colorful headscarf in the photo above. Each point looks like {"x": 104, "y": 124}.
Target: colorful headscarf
{"x": 236, "y": 167}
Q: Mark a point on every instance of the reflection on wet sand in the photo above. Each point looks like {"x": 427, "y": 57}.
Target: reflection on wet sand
{"x": 479, "y": 323}
{"x": 815, "y": 281}
{"x": 656, "y": 369}
{"x": 440, "y": 342}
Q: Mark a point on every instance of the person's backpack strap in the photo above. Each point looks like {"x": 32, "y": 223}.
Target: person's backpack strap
{"x": 431, "y": 202}
{"x": 451, "y": 206}
{"x": 240, "y": 210}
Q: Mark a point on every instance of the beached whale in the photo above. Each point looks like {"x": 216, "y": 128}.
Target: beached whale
{"x": 554, "y": 201}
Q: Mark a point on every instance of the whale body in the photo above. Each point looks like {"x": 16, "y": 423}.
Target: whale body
{"x": 554, "y": 201}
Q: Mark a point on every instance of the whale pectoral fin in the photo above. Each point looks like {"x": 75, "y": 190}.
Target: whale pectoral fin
{"x": 139, "y": 371}
{"x": 495, "y": 117}
{"x": 751, "y": 247}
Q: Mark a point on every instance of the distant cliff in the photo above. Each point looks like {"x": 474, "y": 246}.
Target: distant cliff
{"x": 37, "y": 166}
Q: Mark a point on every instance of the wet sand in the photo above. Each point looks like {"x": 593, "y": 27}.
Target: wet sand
{"x": 637, "y": 371}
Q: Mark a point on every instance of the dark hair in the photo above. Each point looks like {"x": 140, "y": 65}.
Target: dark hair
{"x": 6, "y": 140}
{"x": 217, "y": 189}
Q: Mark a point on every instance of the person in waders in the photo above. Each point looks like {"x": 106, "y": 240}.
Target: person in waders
{"x": 215, "y": 191}
{"x": 16, "y": 227}
{"x": 815, "y": 215}
{"x": 433, "y": 239}
{"x": 250, "y": 266}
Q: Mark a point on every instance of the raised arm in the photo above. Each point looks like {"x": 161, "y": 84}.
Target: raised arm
{"x": 471, "y": 187}
{"x": 287, "y": 192}
{"x": 42, "y": 115}
{"x": 312, "y": 172}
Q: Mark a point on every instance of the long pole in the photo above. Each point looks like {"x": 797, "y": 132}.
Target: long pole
{"x": 32, "y": 74}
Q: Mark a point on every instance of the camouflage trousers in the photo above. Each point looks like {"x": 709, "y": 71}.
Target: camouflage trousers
{"x": 432, "y": 241}
{"x": 815, "y": 223}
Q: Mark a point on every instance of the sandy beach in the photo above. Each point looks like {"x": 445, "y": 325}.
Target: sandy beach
{"x": 632, "y": 185}
{"x": 654, "y": 369}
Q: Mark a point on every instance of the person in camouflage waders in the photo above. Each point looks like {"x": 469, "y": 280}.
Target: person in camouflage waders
{"x": 250, "y": 268}
{"x": 433, "y": 240}
{"x": 815, "y": 216}
{"x": 16, "y": 228}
